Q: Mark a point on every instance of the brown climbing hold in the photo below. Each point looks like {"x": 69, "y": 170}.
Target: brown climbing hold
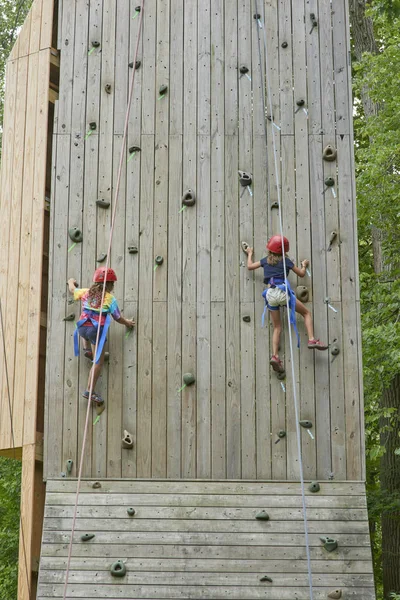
{"x": 70, "y": 317}
{"x": 335, "y": 350}
{"x": 138, "y": 64}
{"x": 95, "y": 44}
{"x": 133, "y": 149}
{"x": 92, "y": 126}
{"x": 335, "y": 595}
{"x": 302, "y": 293}
{"x": 100, "y": 408}
{"x": 330, "y": 153}
{"x": 281, "y": 433}
{"x": 189, "y": 378}
{"x": 107, "y": 87}
{"x": 189, "y": 198}
{"x": 281, "y": 376}
{"x": 133, "y": 249}
{"x": 284, "y": 44}
{"x": 163, "y": 89}
{"x": 275, "y": 205}
{"x": 266, "y": 578}
{"x": 103, "y": 203}
{"x": 243, "y": 69}
{"x": 247, "y": 319}
{"x": 127, "y": 441}
{"x": 96, "y": 485}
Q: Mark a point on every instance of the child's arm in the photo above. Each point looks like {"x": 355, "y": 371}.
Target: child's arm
{"x": 72, "y": 285}
{"x": 301, "y": 272}
{"x": 127, "y": 322}
{"x": 250, "y": 264}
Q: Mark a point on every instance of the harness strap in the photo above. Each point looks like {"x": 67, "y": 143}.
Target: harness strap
{"x": 95, "y": 323}
{"x": 285, "y": 287}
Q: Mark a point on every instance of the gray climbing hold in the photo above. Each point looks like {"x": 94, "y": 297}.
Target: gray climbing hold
{"x": 118, "y": 569}
{"x": 329, "y": 181}
{"x": 133, "y": 249}
{"x": 306, "y": 424}
{"x": 75, "y": 234}
{"x": 243, "y": 69}
{"x": 92, "y": 126}
{"x": 131, "y": 511}
{"x": 95, "y": 44}
{"x": 247, "y": 319}
{"x": 87, "y": 536}
{"x": 281, "y": 433}
{"x": 189, "y": 378}
{"x": 335, "y": 595}
{"x": 335, "y": 350}
{"x": 163, "y": 89}
{"x": 69, "y": 317}
{"x": 101, "y": 258}
{"x": 107, "y": 88}
{"x": 159, "y": 260}
{"x": 189, "y": 198}
{"x": 133, "y": 149}
{"x": 284, "y": 44}
{"x": 266, "y": 578}
{"x": 96, "y": 485}
{"x": 330, "y": 153}
{"x": 245, "y": 178}
{"x": 302, "y": 293}
{"x": 314, "y": 487}
{"x": 329, "y": 544}
{"x": 103, "y": 203}
{"x": 69, "y": 464}
{"x": 127, "y": 441}
{"x": 262, "y": 516}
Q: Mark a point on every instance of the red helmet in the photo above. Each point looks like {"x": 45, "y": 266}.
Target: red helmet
{"x": 275, "y": 244}
{"x": 102, "y": 274}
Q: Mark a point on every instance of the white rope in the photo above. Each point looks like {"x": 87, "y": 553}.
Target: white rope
{"x": 261, "y": 26}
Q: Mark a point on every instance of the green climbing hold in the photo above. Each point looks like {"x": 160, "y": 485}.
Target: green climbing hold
{"x": 329, "y": 181}
{"x": 159, "y": 260}
{"x": 70, "y": 463}
{"x": 131, "y": 511}
{"x": 335, "y": 350}
{"x": 329, "y": 544}
{"x": 335, "y": 595}
{"x": 103, "y": 203}
{"x": 314, "y": 487}
{"x": 118, "y": 569}
{"x": 87, "y": 536}
{"x": 92, "y": 126}
{"x": 188, "y": 379}
{"x": 133, "y": 149}
{"x": 75, "y": 234}
{"x": 163, "y": 89}
{"x": 306, "y": 424}
{"x": 281, "y": 433}
{"x": 262, "y": 516}
{"x": 266, "y": 578}
{"x": 69, "y": 317}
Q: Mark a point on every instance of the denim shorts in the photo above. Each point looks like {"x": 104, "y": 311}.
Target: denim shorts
{"x": 89, "y": 333}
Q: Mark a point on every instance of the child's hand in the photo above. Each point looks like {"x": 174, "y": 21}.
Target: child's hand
{"x": 129, "y": 323}
{"x": 305, "y": 263}
{"x": 249, "y": 250}
{"x": 72, "y": 282}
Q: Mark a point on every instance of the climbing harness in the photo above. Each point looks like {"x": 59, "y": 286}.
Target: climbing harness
{"x": 90, "y": 315}
{"x": 117, "y": 187}
{"x": 295, "y": 400}
{"x": 285, "y": 286}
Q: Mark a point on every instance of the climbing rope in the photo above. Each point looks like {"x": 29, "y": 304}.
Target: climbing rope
{"x": 13, "y": 443}
{"x": 261, "y": 25}
{"x": 117, "y": 187}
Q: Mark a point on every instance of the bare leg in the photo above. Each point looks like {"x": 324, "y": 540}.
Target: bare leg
{"x": 96, "y": 369}
{"x": 276, "y": 336}
{"x": 300, "y": 308}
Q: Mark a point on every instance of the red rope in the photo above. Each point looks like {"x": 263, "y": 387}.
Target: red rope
{"x": 103, "y": 295}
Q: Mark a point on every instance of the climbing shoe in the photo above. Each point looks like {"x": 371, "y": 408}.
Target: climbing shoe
{"x": 276, "y": 364}
{"x": 316, "y": 345}
{"x": 95, "y": 397}
{"x": 88, "y": 354}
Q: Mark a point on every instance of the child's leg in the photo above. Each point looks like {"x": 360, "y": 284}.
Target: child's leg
{"x": 305, "y": 313}
{"x": 276, "y": 336}
{"x": 96, "y": 368}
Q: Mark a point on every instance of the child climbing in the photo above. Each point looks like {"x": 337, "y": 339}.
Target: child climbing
{"x": 276, "y": 293}
{"x": 91, "y": 318}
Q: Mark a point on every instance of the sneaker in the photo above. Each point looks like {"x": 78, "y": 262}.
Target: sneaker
{"x": 316, "y": 345}
{"x": 88, "y": 354}
{"x": 276, "y": 364}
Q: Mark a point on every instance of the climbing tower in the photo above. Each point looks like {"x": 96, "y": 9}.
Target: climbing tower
{"x": 193, "y": 483}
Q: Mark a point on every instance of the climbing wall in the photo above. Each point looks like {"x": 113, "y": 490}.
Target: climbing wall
{"x": 203, "y": 540}
{"x": 200, "y": 311}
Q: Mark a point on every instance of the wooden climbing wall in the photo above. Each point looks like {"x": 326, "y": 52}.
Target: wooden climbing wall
{"x": 190, "y": 310}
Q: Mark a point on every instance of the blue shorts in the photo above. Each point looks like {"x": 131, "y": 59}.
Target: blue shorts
{"x": 89, "y": 333}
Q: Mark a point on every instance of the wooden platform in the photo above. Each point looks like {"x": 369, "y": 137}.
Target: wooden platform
{"x": 198, "y": 539}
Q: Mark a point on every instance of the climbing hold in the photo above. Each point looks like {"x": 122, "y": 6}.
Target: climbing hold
{"x": 106, "y": 356}
{"x": 243, "y": 69}
{"x": 133, "y": 149}
{"x": 262, "y": 516}
{"x": 127, "y": 441}
{"x": 314, "y": 21}
{"x": 266, "y": 578}
{"x": 101, "y": 258}
{"x": 138, "y": 64}
{"x": 257, "y": 16}
{"x": 302, "y": 293}
{"x": 92, "y": 126}
{"x": 332, "y": 238}
{"x": 284, "y": 44}
{"x": 336, "y": 594}
{"x": 96, "y": 485}
{"x": 189, "y": 378}
{"x": 118, "y": 569}
{"x": 133, "y": 249}
{"x": 87, "y": 536}
{"x": 159, "y": 260}
{"x": 314, "y": 487}
{"x": 245, "y": 178}
{"x": 189, "y": 198}
{"x": 281, "y": 433}
{"x": 95, "y": 44}
{"x": 107, "y": 87}
{"x": 100, "y": 408}
{"x": 163, "y": 90}
{"x": 70, "y": 463}
{"x": 75, "y": 234}
{"x": 300, "y": 102}
{"x": 244, "y": 245}
{"x": 131, "y": 511}
{"x": 70, "y": 317}
{"x": 329, "y": 181}
{"x": 281, "y": 376}
{"x": 247, "y": 319}
{"x": 335, "y": 350}
{"x": 103, "y": 203}
{"x": 329, "y": 153}
{"x": 329, "y": 544}
{"x": 306, "y": 424}
{"x": 138, "y": 9}
{"x": 275, "y": 205}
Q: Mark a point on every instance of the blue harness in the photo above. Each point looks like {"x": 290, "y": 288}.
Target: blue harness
{"x": 283, "y": 285}
{"x": 90, "y": 317}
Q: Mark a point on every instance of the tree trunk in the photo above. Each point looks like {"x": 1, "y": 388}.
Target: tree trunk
{"x": 390, "y": 482}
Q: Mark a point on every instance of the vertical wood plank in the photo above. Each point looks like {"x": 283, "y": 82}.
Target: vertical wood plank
{"x": 36, "y": 24}
{"x": 218, "y": 407}
{"x": 119, "y": 87}
{"x": 342, "y": 67}
{"x": 287, "y": 106}
{"x": 326, "y": 66}
{"x": 26, "y": 520}
{"x": 247, "y": 393}
{"x": 176, "y": 89}
{"x": 159, "y": 391}
{"x": 129, "y": 408}
{"x": 67, "y": 68}
{"x": 25, "y": 35}
{"x": 313, "y": 70}
{"x": 46, "y": 32}
{"x": 149, "y": 91}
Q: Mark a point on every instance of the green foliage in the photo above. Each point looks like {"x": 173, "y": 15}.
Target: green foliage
{"x": 10, "y": 492}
